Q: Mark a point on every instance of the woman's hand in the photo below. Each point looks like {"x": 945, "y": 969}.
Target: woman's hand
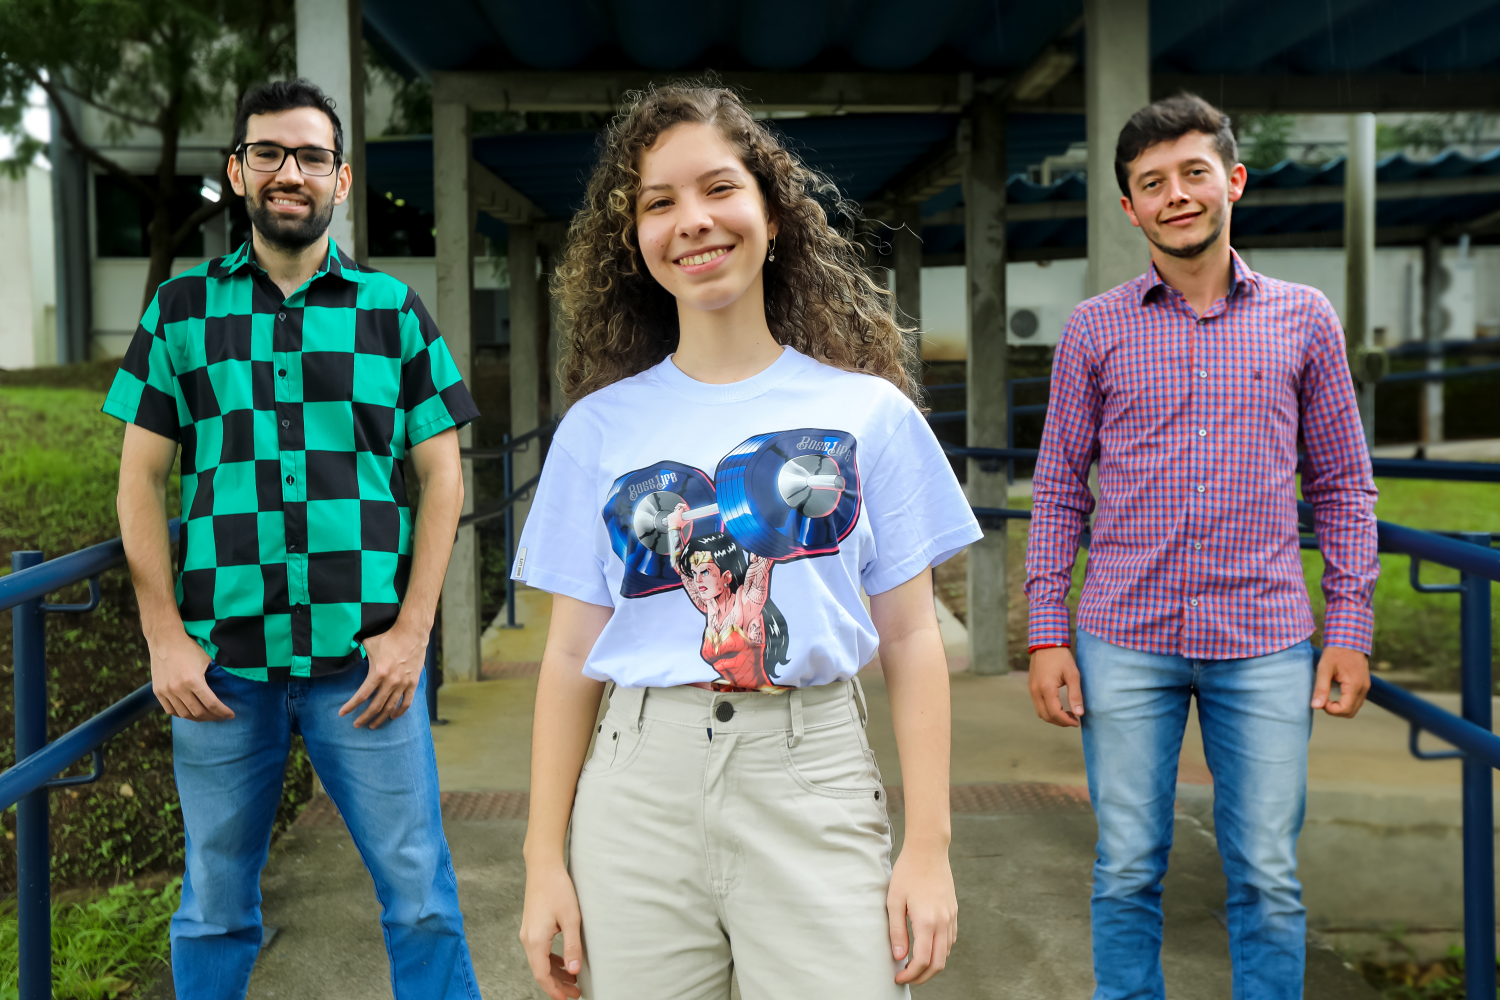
{"x": 551, "y": 908}
{"x": 922, "y": 891}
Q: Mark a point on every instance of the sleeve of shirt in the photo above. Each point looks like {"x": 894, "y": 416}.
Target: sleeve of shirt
{"x": 556, "y": 551}
{"x": 917, "y": 511}
{"x": 1337, "y": 481}
{"x": 1060, "y": 497}
{"x": 145, "y": 390}
{"x": 432, "y": 391}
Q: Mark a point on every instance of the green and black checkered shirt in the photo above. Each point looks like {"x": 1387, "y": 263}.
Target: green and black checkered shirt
{"x": 293, "y": 416}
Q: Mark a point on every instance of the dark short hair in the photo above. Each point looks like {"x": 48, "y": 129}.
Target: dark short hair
{"x": 1168, "y": 120}
{"x": 284, "y": 95}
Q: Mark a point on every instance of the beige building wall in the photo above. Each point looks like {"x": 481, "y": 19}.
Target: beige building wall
{"x": 28, "y": 319}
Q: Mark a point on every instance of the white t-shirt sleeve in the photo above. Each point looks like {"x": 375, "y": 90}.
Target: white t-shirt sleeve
{"x": 917, "y": 511}
{"x": 556, "y": 552}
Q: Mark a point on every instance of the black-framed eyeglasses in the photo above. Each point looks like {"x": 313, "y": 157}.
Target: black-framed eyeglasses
{"x": 267, "y": 158}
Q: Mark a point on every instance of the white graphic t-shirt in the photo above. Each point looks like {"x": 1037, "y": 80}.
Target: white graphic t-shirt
{"x": 731, "y": 527}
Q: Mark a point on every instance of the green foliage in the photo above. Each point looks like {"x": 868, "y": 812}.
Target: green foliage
{"x": 1409, "y": 979}
{"x": 102, "y": 948}
{"x": 1267, "y": 138}
{"x": 59, "y": 466}
{"x": 1431, "y": 133}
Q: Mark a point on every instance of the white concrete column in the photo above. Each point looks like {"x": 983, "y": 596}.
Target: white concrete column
{"x": 552, "y": 236}
{"x": 525, "y": 356}
{"x": 455, "y": 286}
{"x": 1432, "y": 334}
{"x": 330, "y": 53}
{"x": 1117, "y": 84}
{"x": 1359, "y": 258}
{"x": 984, "y": 255}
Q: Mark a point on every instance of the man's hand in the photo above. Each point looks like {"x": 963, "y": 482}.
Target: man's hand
{"x": 922, "y": 889}
{"x": 396, "y": 661}
{"x": 1052, "y": 669}
{"x": 178, "y": 666}
{"x": 1351, "y": 669}
{"x": 551, "y": 908}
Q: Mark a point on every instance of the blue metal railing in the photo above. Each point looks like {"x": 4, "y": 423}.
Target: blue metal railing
{"x": 26, "y": 784}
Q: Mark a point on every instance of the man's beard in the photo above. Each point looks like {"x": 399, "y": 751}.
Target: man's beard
{"x": 1197, "y": 248}
{"x": 289, "y": 235}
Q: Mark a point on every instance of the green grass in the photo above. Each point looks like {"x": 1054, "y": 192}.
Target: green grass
{"x": 103, "y": 948}
{"x": 1419, "y": 632}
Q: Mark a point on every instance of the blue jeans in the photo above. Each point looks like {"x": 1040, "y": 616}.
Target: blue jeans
{"x": 384, "y": 783}
{"x": 1256, "y": 721}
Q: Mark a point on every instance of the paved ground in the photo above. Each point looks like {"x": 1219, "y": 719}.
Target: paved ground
{"x": 1381, "y": 847}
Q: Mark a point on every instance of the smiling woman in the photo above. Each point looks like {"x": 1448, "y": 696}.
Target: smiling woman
{"x": 628, "y": 267}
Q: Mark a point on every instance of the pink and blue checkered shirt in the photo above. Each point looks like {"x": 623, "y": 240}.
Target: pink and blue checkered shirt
{"x": 1195, "y": 422}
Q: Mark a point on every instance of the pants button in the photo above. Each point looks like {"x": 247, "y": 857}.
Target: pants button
{"x": 724, "y": 712}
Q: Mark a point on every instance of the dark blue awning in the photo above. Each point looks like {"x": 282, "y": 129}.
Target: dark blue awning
{"x": 1205, "y": 37}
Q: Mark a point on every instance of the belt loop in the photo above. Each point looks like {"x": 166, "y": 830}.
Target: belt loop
{"x": 633, "y": 705}
{"x": 794, "y": 700}
{"x": 859, "y": 700}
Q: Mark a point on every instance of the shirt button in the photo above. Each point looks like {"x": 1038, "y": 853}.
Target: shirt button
{"x": 1203, "y": 374}
{"x": 1200, "y": 489}
{"x": 1197, "y": 545}
{"x": 281, "y": 316}
{"x": 286, "y": 423}
{"x": 1194, "y": 602}
{"x": 293, "y": 479}
{"x": 281, "y": 373}
{"x": 1201, "y": 432}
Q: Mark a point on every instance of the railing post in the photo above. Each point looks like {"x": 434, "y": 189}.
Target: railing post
{"x": 510, "y": 540}
{"x": 33, "y": 852}
{"x": 1477, "y": 685}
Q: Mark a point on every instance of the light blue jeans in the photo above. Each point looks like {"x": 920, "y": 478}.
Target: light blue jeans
{"x": 1256, "y": 721}
{"x": 384, "y": 783}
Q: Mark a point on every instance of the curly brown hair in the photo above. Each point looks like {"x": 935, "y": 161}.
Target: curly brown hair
{"x": 618, "y": 321}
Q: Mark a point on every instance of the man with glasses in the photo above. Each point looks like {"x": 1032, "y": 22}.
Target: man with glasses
{"x": 296, "y": 383}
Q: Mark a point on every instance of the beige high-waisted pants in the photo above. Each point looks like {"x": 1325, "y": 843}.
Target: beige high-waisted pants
{"x": 757, "y": 841}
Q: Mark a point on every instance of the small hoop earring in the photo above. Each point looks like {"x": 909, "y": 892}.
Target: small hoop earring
{"x": 772, "y": 254}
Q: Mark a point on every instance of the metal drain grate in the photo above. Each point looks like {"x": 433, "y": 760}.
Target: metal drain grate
{"x": 995, "y": 798}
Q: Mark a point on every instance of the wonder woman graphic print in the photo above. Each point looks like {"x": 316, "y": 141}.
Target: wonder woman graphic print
{"x": 776, "y": 497}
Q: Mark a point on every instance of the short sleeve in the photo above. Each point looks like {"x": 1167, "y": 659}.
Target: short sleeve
{"x": 917, "y": 511}
{"x": 145, "y": 389}
{"x": 556, "y": 550}
{"x": 433, "y": 393}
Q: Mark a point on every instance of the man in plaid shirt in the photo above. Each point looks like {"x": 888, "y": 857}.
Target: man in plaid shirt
{"x": 1191, "y": 387}
{"x": 296, "y": 383}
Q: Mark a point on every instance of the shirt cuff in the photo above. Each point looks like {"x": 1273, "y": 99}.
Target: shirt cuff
{"x": 1349, "y": 626}
{"x": 1048, "y": 624}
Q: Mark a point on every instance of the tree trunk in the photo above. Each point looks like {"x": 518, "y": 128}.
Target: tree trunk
{"x": 159, "y": 232}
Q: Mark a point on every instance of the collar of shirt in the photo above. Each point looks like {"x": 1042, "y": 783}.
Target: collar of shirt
{"x": 1241, "y": 280}
{"x": 335, "y": 263}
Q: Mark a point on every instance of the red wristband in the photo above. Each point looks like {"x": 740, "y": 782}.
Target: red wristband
{"x": 1048, "y": 645}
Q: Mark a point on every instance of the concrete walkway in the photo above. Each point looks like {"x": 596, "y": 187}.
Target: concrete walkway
{"x": 1381, "y": 847}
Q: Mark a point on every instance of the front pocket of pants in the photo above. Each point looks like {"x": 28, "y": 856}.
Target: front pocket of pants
{"x": 615, "y": 749}
{"x": 832, "y": 760}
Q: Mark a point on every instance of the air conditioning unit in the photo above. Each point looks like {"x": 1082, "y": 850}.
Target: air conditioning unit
{"x": 1041, "y": 324}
